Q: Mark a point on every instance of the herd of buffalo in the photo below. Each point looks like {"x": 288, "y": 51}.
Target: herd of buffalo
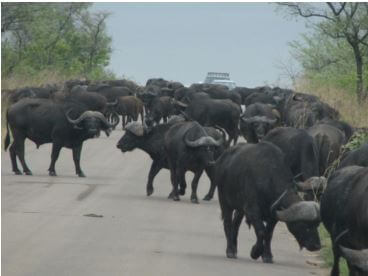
{"x": 294, "y": 167}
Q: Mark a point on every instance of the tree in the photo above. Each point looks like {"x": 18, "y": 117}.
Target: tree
{"x": 341, "y": 21}
{"x": 64, "y": 37}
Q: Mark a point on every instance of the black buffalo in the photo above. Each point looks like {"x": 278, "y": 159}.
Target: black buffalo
{"x": 152, "y": 141}
{"x": 189, "y": 148}
{"x": 300, "y": 150}
{"x": 257, "y": 120}
{"x": 221, "y": 113}
{"x": 43, "y": 121}
{"x": 301, "y": 155}
{"x": 253, "y": 181}
{"x": 346, "y": 128}
{"x": 129, "y": 107}
{"x": 160, "y": 108}
{"x": 344, "y": 212}
{"x": 358, "y": 157}
{"x": 303, "y": 110}
{"x": 329, "y": 141}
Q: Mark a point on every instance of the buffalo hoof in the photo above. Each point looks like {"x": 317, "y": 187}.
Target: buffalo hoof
{"x": 81, "y": 174}
{"x": 149, "y": 191}
{"x": 18, "y": 172}
{"x": 256, "y": 252}
{"x": 194, "y": 200}
{"x": 207, "y": 197}
{"x": 267, "y": 259}
{"x": 28, "y": 173}
{"x": 231, "y": 254}
{"x": 176, "y": 197}
{"x": 182, "y": 191}
{"x": 51, "y": 173}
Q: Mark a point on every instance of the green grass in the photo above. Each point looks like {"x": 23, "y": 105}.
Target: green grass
{"x": 326, "y": 252}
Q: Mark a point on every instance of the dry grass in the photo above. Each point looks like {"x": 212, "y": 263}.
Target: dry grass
{"x": 346, "y": 103}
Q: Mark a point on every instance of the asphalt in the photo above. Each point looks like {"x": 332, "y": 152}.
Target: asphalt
{"x": 104, "y": 224}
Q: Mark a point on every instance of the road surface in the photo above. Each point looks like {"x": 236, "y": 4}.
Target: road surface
{"x": 105, "y": 225}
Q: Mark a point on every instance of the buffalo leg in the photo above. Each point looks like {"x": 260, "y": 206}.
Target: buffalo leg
{"x": 193, "y": 197}
{"x": 267, "y": 254}
{"x": 76, "y": 157}
{"x": 54, "y": 156}
{"x": 155, "y": 168}
{"x": 123, "y": 121}
{"x": 238, "y": 216}
{"x": 209, "y": 196}
{"x": 13, "y": 158}
{"x": 174, "y": 181}
{"x": 17, "y": 149}
{"x": 142, "y": 117}
{"x": 182, "y": 185}
{"x": 254, "y": 216}
{"x": 227, "y": 215}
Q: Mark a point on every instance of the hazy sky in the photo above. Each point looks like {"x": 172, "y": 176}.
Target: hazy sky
{"x": 184, "y": 41}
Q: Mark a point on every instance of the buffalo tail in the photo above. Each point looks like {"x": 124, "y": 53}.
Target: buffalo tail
{"x": 7, "y": 138}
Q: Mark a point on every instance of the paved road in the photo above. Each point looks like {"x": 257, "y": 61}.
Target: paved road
{"x": 45, "y": 230}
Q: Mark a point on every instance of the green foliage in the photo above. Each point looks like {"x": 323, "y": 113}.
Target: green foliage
{"x": 337, "y": 51}
{"x": 53, "y": 36}
{"x": 326, "y": 252}
{"x": 327, "y": 61}
{"x": 358, "y": 139}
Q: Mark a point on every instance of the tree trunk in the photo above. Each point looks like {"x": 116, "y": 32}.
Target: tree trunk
{"x": 361, "y": 94}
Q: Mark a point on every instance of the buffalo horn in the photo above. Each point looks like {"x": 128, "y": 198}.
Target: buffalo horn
{"x": 100, "y": 116}
{"x": 258, "y": 119}
{"x": 357, "y": 258}
{"x": 135, "y": 128}
{"x": 112, "y": 103}
{"x": 87, "y": 114}
{"x": 202, "y": 141}
{"x": 179, "y": 103}
{"x": 80, "y": 118}
{"x": 314, "y": 183}
{"x": 301, "y": 211}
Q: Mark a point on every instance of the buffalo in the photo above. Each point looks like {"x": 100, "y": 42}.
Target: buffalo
{"x": 329, "y": 141}
{"x": 189, "y": 148}
{"x": 257, "y": 121}
{"x": 43, "y": 121}
{"x": 152, "y": 141}
{"x": 358, "y": 157}
{"x": 301, "y": 155}
{"x": 344, "y": 213}
{"x": 253, "y": 181}
{"x": 221, "y": 113}
{"x": 129, "y": 107}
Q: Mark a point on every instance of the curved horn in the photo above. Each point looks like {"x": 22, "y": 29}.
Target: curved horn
{"x": 247, "y": 120}
{"x": 179, "y": 103}
{"x": 135, "y": 128}
{"x": 112, "y": 103}
{"x": 276, "y": 113}
{"x": 84, "y": 115}
{"x": 202, "y": 141}
{"x": 100, "y": 116}
{"x": 223, "y": 139}
{"x": 314, "y": 183}
{"x": 116, "y": 121}
{"x": 301, "y": 211}
{"x": 357, "y": 258}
